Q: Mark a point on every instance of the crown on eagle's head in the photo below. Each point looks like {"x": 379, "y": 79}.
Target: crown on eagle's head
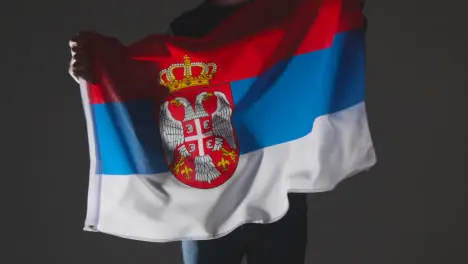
{"x": 188, "y": 74}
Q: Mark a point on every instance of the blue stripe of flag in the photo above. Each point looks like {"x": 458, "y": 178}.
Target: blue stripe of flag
{"x": 276, "y": 107}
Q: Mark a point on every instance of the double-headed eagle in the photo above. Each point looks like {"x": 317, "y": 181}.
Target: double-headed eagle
{"x": 172, "y": 131}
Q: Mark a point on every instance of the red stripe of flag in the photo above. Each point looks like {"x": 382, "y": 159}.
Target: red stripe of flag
{"x": 288, "y": 28}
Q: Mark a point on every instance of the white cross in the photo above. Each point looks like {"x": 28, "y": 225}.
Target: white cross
{"x": 199, "y": 136}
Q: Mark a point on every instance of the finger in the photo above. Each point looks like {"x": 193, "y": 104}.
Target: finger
{"x": 81, "y": 38}
{"x": 79, "y": 66}
{"x": 74, "y": 73}
{"x": 80, "y": 53}
{"x": 76, "y": 50}
{"x": 79, "y": 69}
{"x": 77, "y": 73}
{"x": 80, "y": 57}
{"x": 72, "y": 43}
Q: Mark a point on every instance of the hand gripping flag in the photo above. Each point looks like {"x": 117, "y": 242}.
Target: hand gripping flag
{"x": 191, "y": 138}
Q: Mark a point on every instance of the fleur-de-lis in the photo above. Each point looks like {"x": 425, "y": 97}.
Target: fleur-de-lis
{"x": 223, "y": 164}
{"x": 178, "y": 165}
{"x": 187, "y": 171}
{"x": 230, "y": 154}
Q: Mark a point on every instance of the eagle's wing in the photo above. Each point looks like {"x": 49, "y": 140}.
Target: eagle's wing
{"x": 172, "y": 132}
{"x": 222, "y": 126}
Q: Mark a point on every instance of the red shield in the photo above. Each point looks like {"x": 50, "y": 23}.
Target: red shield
{"x": 198, "y": 137}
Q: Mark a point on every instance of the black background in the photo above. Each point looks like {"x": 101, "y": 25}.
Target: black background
{"x": 410, "y": 208}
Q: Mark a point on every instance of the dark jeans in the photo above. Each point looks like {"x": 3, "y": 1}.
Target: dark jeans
{"x": 282, "y": 242}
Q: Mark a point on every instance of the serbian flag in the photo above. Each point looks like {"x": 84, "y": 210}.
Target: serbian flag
{"x": 191, "y": 138}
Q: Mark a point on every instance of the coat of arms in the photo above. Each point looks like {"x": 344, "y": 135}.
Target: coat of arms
{"x": 199, "y": 141}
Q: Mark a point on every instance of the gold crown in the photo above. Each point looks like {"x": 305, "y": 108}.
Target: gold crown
{"x": 188, "y": 74}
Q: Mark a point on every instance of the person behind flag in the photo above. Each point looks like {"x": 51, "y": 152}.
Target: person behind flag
{"x": 283, "y": 241}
